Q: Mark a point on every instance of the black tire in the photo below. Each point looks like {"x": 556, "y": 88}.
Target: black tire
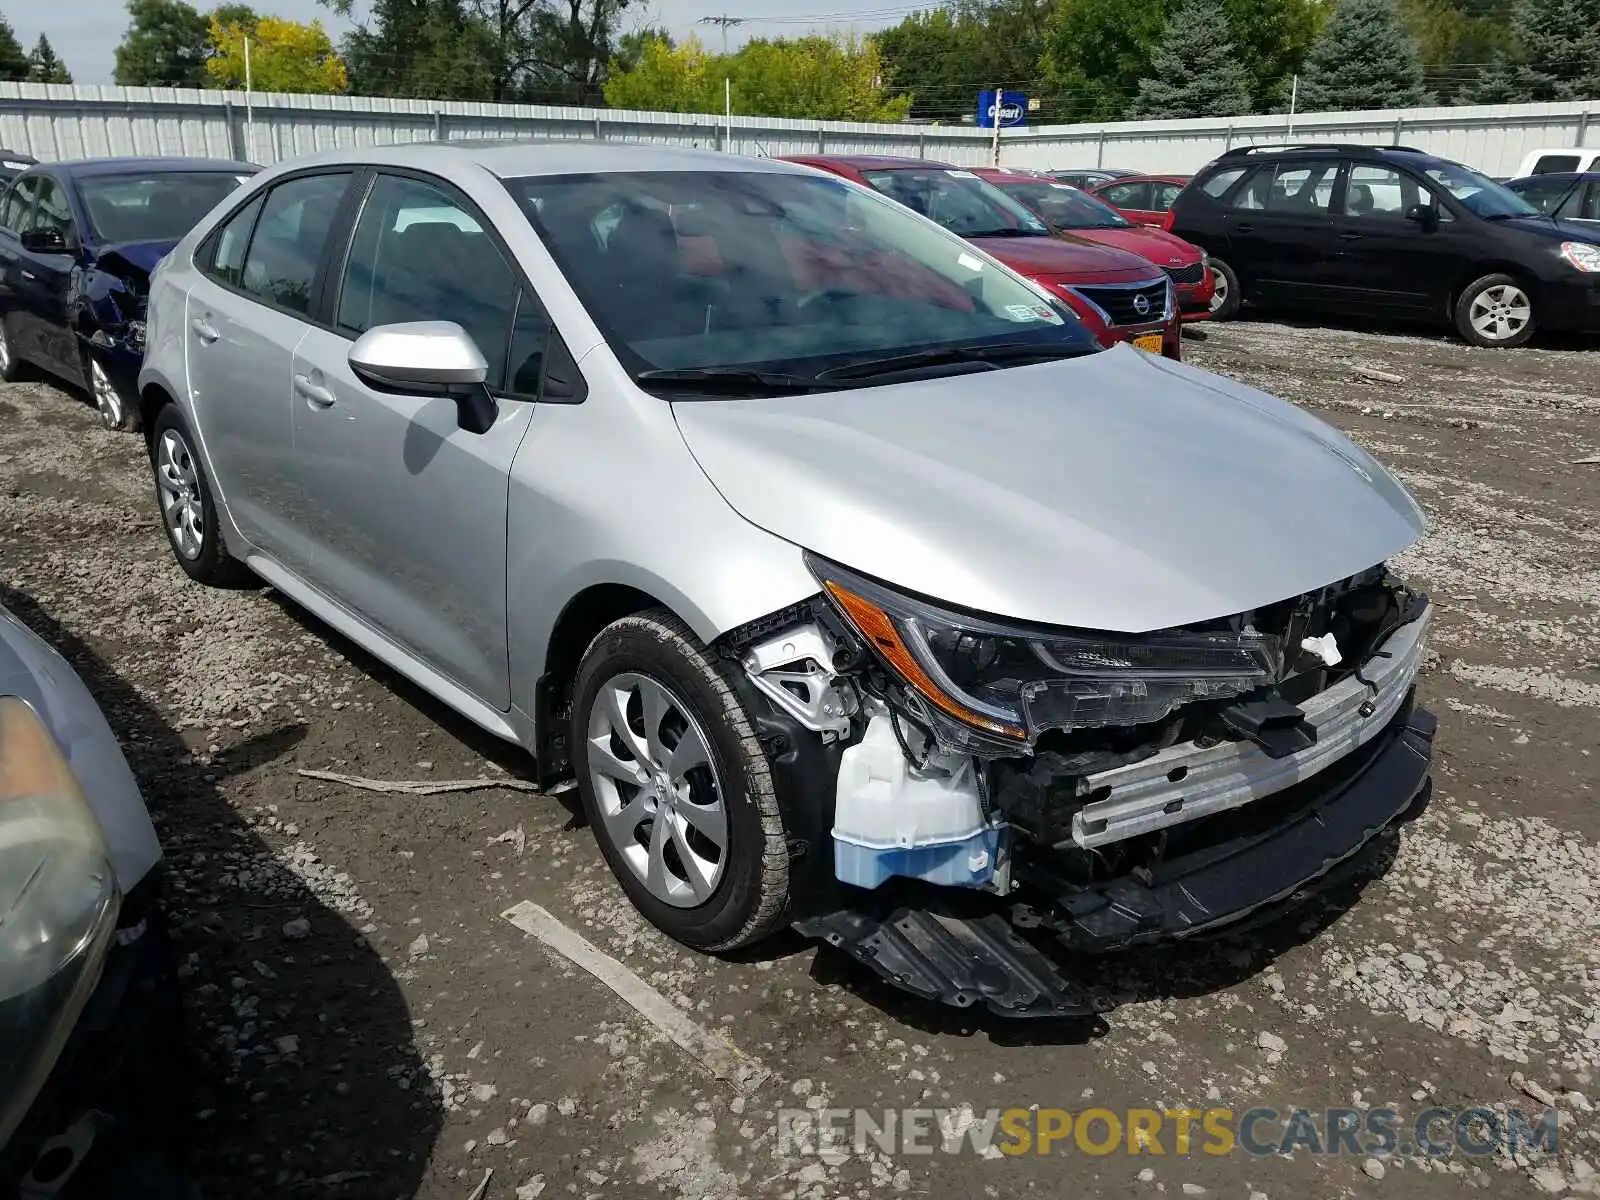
{"x": 211, "y": 563}
{"x": 119, "y": 412}
{"x": 1479, "y": 304}
{"x": 1233, "y": 297}
{"x": 10, "y": 364}
{"x": 751, "y": 894}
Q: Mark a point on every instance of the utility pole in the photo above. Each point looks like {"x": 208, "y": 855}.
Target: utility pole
{"x": 994, "y": 148}
{"x": 249, "y": 107}
{"x": 724, "y": 20}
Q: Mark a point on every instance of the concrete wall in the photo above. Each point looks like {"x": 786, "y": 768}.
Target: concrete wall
{"x": 55, "y": 122}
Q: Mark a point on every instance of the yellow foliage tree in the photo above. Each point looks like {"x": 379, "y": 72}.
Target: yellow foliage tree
{"x": 285, "y": 56}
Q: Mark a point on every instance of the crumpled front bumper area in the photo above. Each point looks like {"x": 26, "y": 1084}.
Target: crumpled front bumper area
{"x": 1216, "y": 873}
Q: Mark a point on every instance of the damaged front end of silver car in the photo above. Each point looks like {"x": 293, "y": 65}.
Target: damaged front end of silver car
{"x": 990, "y": 789}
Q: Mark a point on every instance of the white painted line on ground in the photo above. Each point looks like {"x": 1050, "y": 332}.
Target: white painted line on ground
{"x": 707, "y": 1050}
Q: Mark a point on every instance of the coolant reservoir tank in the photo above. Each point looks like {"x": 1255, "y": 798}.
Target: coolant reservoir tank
{"x": 890, "y": 819}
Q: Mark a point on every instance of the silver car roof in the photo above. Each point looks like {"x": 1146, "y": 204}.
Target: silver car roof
{"x": 517, "y": 159}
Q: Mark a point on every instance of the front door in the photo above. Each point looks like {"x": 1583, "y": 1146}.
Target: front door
{"x": 1388, "y": 262}
{"x": 1279, "y": 231}
{"x": 42, "y": 279}
{"x": 246, "y": 314}
{"x": 408, "y": 509}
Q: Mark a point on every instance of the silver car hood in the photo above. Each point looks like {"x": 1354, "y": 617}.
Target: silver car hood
{"x": 1119, "y": 491}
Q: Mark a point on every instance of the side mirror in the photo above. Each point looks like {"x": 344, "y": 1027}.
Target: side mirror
{"x": 1425, "y": 215}
{"x": 43, "y": 241}
{"x": 433, "y": 358}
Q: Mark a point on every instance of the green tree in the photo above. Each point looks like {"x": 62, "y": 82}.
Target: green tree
{"x": 284, "y": 56}
{"x": 632, "y": 45}
{"x": 1363, "y": 58}
{"x": 44, "y": 66}
{"x": 166, "y": 45}
{"x": 1096, "y": 53}
{"x": 14, "y": 64}
{"x": 1455, "y": 38}
{"x": 818, "y": 78}
{"x": 1195, "y": 71}
{"x": 1556, "y": 48}
{"x": 416, "y": 48}
{"x": 946, "y": 56}
{"x": 1272, "y": 38}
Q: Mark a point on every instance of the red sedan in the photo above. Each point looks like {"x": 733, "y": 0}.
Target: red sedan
{"x": 1077, "y": 215}
{"x": 1120, "y": 297}
{"x": 1143, "y": 199}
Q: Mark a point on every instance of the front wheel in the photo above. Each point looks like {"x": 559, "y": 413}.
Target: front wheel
{"x": 10, "y": 365}
{"x": 117, "y": 412}
{"x": 1226, "y": 295}
{"x": 1495, "y": 311}
{"x": 676, "y": 785}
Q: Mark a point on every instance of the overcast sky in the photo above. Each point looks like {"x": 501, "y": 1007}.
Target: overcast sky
{"x": 85, "y": 33}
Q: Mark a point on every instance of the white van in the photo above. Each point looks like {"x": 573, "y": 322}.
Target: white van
{"x": 1571, "y": 158}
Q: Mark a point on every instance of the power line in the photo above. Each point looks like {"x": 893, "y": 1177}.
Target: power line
{"x": 725, "y": 21}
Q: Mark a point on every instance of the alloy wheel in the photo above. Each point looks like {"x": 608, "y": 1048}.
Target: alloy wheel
{"x": 660, "y": 797}
{"x": 1219, "y": 293}
{"x": 106, "y": 397}
{"x": 5, "y": 349}
{"x": 179, "y": 484}
{"x": 1500, "y": 312}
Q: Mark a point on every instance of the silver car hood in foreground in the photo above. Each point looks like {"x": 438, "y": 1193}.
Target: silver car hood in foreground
{"x": 1119, "y": 491}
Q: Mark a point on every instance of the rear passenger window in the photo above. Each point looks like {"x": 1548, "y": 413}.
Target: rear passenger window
{"x": 419, "y": 255}
{"x": 1302, "y": 187}
{"x": 1127, "y": 195}
{"x": 281, "y": 262}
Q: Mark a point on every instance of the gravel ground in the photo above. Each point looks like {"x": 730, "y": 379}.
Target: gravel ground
{"x": 369, "y": 1025}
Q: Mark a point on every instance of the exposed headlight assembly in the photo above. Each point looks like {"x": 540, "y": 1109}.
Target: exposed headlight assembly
{"x": 58, "y": 906}
{"x": 1012, "y": 682}
{"x": 1585, "y": 256}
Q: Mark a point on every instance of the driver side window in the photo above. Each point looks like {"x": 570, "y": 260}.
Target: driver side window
{"x": 51, "y": 214}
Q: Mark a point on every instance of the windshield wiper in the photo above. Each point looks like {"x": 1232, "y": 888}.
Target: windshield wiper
{"x": 739, "y": 380}
{"x": 982, "y": 356}
{"x": 1007, "y": 232}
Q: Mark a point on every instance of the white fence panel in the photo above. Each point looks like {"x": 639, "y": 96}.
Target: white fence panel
{"x": 54, "y": 122}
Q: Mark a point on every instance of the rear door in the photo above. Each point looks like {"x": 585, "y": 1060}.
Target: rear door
{"x": 1387, "y": 262}
{"x": 408, "y": 510}
{"x": 1279, "y": 231}
{"x": 247, "y": 311}
{"x": 19, "y": 199}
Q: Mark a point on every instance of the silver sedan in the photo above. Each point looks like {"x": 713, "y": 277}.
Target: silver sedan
{"x": 838, "y": 564}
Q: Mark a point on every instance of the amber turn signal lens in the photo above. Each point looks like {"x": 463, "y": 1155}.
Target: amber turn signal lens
{"x": 876, "y": 626}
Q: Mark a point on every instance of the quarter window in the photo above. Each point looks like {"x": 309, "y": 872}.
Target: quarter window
{"x": 1217, "y": 185}
{"x": 231, "y": 241}
{"x": 281, "y": 263}
{"x": 1301, "y": 187}
{"x": 419, "y": 255}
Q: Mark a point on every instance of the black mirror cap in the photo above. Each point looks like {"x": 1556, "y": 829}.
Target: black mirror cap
{"x": 44, "y": 241}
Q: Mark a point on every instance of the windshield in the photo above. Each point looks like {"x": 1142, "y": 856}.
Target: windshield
{"x": 1478, "y": 193}
{"x": 774, "y": 272}
{"x": 958, "y": 200}
{"x": 1064, "y": 207}
{"x": 159, "y": 207}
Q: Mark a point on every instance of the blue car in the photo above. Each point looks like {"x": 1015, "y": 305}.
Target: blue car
{"x": 78, "y": 241}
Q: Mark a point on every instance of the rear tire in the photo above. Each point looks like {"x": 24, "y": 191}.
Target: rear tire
{"x": 668, "y": 763}
{"x": 1495, "y": 311}
{"x": 188, "y": 512}
{"x": 1228, "y": 296}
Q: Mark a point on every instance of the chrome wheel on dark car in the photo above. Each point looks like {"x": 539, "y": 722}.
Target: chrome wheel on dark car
{"x": 108, "y": 400}
{"x": 1495, "y": 311}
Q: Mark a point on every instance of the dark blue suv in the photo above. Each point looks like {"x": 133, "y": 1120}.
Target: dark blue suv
{"x": 1391, "y": 231}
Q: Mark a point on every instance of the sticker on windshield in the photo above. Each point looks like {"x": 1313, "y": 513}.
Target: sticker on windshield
{"x": 970, "y": 263}
{"x": 961, "y": 174}
{"x": 1033, "y": 312}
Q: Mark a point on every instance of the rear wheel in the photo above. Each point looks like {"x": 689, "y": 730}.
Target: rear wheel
{"x": 188, "y": 512}
{"x": 676, "y": 785}
{"x": 1226, "y": 296}
{"x": 1495, "y": 311}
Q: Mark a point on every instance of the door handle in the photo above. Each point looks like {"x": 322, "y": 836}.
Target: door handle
{"x": 316, "y": 395}
{"x": 1349, "y": 236}
{"x": 204, "y": 330}
{"x": 27, "y": 274}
